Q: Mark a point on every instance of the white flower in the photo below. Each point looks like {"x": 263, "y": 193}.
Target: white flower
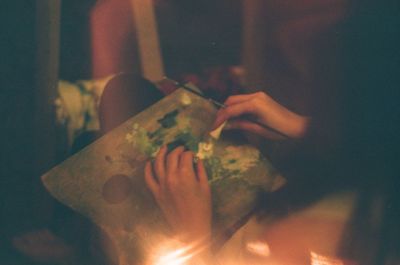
{"x": 205, "y": 150}
{"x": 185, "y": 99}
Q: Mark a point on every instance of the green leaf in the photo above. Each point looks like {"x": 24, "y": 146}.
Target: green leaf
{"x": 169, "y": 119}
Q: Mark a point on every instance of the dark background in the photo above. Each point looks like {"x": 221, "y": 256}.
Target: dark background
{"x": 370, "y": 95}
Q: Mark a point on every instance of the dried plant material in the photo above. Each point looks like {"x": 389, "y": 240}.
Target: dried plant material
{"x": 217, "y": 132}
{"x": 105, "y": 181}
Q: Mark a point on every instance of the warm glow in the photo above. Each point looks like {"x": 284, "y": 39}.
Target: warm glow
{"x": 258, "y": 248}
{"x": 173, "y": 253}
{"x": 317, "y": 259}
{"x": 177, "y": 257}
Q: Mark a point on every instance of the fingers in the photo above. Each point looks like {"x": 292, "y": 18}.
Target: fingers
{"x": 266, "y": 112}
{"x": 186, "y": 166}
{"x": 239, "y": 98}
{"x": 174, "y": 168}
{"x": 253, "y": 128}
{"x": 202, "y": 174}
{"x": 159, "y": 165}
{"x": 233, "y": 111}
{"x": 173, "y": 163}
{"x": 150, "y": 180}
{"x": 232, "y": 100}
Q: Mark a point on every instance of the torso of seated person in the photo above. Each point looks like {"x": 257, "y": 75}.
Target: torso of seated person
{"x": 193, "y": 35}
{"x": 198, "y": 33}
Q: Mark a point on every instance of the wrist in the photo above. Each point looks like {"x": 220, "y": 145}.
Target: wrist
{"x": 300, "y": 126}
{"x": 284, "y": 120}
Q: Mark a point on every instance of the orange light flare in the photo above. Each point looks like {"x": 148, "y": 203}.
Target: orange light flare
{"x": 177, "y": 257}
{"x": 258, "y": 248}
{"x": 173, "y": 253}
{"x": 317, "y": 259}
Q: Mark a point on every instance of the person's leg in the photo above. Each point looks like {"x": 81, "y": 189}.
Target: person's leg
{"x": 124, "y": 96}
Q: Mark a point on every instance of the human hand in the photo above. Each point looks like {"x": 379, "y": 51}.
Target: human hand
{"x": 182, "y": 192}
{"x": 265, "y": 111}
